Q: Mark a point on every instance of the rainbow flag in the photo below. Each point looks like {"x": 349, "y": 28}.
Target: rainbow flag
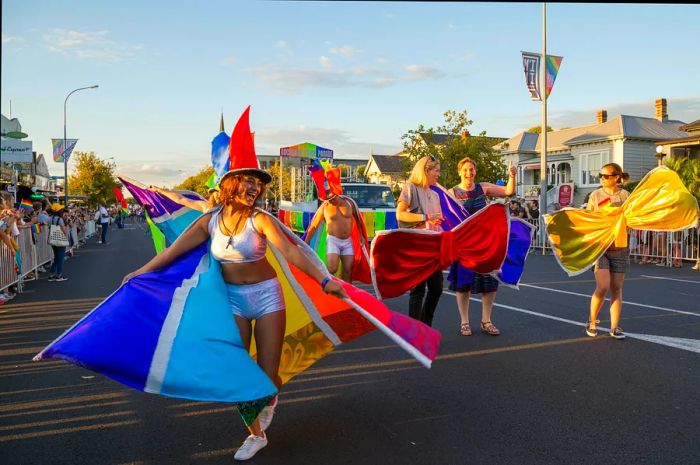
{"x": 36, "y": 227}
{"x": 26, "y": 205}
{"x": 552, "y": 64}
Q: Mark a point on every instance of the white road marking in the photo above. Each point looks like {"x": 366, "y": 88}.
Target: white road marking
{"x": 672, "y": 279}
{"x": 691, "y": 345}
{"x": 625, "y": 302}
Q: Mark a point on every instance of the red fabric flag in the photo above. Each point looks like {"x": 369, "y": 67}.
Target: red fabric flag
{"x": 118, "y": 193}
{"x": 403, "y": 258}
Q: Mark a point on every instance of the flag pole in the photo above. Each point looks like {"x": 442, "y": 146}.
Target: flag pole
{"x": 543, "y": 130}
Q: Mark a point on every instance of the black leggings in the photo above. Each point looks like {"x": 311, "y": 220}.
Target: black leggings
{"x": 424, "y": 311}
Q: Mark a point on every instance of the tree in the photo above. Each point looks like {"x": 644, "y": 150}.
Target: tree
{"x": 273, "y": 189}
{"x": 93, "y": 178}
{"x": 688, "y": 170}
{"x": 538, "y": 129}
{"x": 458, "y": 144}
{"x": 360, "y": 173}
{"x": 197, "y": 182}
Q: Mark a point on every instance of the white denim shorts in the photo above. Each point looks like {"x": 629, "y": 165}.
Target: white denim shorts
{"x": 252, "y": 301}
{"x": 339, "y": 246}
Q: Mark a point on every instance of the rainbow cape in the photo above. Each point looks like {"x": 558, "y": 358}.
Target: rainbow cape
{"x": 170, "y": 217}
{"x": 183, "y": 341}
{"x": 660, "y": 202}
{"x": 360, "y": 242}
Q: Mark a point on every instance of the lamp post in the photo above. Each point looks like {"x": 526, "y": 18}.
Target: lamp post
{"x": 65, "y": 159}
{"x": 660, "y": 154}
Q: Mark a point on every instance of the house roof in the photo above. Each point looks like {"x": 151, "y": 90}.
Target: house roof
{"x": 388, "y": 163}
{"x": 621, "y": 126}
{"x": 637, "y": 127}
{"x": 691, "y": 127}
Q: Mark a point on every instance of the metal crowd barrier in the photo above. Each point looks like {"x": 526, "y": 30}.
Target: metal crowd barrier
{"x": 663, "y": 248}
{"x": 33, "y": 253}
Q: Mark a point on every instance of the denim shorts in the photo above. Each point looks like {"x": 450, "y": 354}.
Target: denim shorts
{"x": 251, "y": 301}
{"x": 616, "y": 261}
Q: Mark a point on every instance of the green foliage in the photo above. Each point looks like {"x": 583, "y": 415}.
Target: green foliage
{"x": 688, "y": 170}
{"x": 197, "y": 183}
{"x": 93, "y": 178}
{"x": 360, "y": 173}
{"x": 489, "y": 165}
{"x": 273, "y": 189}
{"x": 538, "y": 129}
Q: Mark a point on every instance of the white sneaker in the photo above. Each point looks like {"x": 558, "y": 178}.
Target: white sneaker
{"x": 250, "y": 447}
{"x": 266, "y": 414}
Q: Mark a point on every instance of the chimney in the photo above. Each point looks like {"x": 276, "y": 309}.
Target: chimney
{"x": 661, "y": 113}
{"x": 602, "y": 116}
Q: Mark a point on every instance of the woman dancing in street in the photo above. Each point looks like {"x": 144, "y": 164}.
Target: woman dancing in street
{"x": 611, "y": 267}
{"x": 465, "y": 282}
{"x": 419, "y": 207}
{"x": 239, "y": 235}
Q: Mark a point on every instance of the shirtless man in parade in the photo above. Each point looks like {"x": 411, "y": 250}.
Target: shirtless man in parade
{"x": 338, "y": 213}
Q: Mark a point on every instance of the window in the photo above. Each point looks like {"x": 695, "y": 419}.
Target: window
{"x": 552, "y": 171}
{"x": 590, "y": 164}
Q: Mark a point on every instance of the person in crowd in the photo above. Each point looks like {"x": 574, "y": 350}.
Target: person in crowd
{"x": 59, "y": 253}
{"x": 419, "y": 207}
{"x": 611, "y": 267}
{"x": 515, "y": 209}
{"x": 239, "y": 235}
{"x": 103, "y": 217}
{"x": 465, "y": 282}
{"x": 532, "y": 211}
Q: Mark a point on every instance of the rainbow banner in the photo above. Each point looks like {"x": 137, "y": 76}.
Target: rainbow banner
{"x": 306, "y": 150}
{"x": 36, "y": 227}
{"x": 374, "y": 221}
{"x": 60, "y": 154}
{"x": 531, "y": 67}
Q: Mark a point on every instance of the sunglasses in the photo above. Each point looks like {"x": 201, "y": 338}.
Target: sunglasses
{"x": 608, "y": 176}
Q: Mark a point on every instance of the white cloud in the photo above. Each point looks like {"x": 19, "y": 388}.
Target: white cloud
{"x": 88, "y": 45}
{"x": 229, "y": 60}
{"x": 281, "y": 44}
{"x": 325, "y": 62}
{"x": 12, "y": 39}
{"x": 347, "y": 51}
{"x": 295, "y": 79}
{"x": 340, "y": 141}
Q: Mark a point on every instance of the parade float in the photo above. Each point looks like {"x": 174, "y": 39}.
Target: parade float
{"x": 375, "y": 201}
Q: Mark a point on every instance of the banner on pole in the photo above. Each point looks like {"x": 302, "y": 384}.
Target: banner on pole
{"x": 531, "y": 67}
{"x": 59, "y": 152}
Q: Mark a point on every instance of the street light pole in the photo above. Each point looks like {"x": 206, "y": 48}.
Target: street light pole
{"x": 65, "y": 159}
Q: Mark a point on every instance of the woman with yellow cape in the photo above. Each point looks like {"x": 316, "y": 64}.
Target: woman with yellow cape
{"x": 598, "y": 235}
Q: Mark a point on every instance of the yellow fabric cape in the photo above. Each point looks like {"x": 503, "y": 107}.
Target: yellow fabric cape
{"x": 659, "y": 203}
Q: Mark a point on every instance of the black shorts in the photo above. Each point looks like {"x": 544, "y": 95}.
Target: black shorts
{"x": 617, "y": 261}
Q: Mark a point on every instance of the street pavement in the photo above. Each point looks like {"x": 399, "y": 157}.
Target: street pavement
{"x": 541, "y": 393}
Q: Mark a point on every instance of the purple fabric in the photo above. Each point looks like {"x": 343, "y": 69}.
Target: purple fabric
{"x": 156, "y": 204}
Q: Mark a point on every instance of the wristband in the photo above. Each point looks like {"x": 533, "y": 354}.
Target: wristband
{"x": 324, "y": 282}
{"x": 425, "y": 217}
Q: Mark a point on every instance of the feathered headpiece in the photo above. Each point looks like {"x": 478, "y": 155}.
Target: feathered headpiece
{"x": 326, "y": 179}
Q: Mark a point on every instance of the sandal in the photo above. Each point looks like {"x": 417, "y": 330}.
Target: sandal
{"x": 465, "y": 330}
{"x": 489, "y": 328}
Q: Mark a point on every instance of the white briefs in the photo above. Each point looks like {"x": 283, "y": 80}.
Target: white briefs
{"x": 339, "y": 246}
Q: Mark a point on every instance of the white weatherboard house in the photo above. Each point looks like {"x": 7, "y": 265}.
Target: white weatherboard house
{"x": 576, "y": 155}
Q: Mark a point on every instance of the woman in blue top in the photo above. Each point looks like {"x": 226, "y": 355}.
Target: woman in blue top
{"x": 464, "y": 282}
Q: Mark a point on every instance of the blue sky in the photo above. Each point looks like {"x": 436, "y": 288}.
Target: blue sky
{"x": 350, "y": 76}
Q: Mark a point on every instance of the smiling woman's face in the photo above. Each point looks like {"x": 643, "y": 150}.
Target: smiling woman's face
{"x": 249, "y": 188}
{"x": 433, "y": 174}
